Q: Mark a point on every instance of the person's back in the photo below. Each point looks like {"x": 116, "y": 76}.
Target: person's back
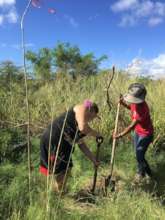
{"x": 66, "y": 122}
{"x": 141, "y": 113}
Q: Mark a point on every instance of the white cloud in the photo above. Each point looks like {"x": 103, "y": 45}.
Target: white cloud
{"x": 1, "y": 19}
{"x": 72, "y": 21}
{"x": 144, "y": 9}
{"x": 127, "y": 20}
{"x": 123, "y": 5}
{"x": 9, "y": 13}
{"x": 160, "y": 8}
{"x": 132, "y": 11}
{"x": 155, "y": 21}
{"x": 4, "y": 3}
{"x": 12, "y": 16}
{"x": 152, "y": 67}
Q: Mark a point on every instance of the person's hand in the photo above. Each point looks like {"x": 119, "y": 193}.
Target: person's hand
{"x": 99, "y": 139}
{"x": 116, "y": 136}
{"x": 96, "y": 163}
{"x": 121, "y": 100}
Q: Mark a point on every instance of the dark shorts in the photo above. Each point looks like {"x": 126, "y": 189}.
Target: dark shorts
{"x": 64, "y": 158}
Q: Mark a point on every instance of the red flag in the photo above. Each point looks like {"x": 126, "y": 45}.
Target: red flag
{"x": 36, "y": 3}
{"x": 51, "y": 10}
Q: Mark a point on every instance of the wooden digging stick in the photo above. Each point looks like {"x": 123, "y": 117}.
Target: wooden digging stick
{"x": 108, "y": 179}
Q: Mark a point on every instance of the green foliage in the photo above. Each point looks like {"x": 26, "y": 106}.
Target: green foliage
{"x": 64, "y": 58}
{"x": 42, "y": 63}
{"x": 12, "y": 104}
{"x": 14, "y": 190}
{"x": 48, "y": 99}
{"x": 142, "y": 204}
{"x": 9, "y": 72}
{"x": 9, "y": 139}
{"x": 68, "y": 59}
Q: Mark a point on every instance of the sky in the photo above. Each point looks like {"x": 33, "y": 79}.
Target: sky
{"x": 130, "y": 32}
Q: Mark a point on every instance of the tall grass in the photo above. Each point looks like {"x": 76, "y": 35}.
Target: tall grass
{"x": 61, "y": 93}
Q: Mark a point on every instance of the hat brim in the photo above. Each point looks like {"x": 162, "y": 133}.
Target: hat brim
{"x": 132, "y": 99}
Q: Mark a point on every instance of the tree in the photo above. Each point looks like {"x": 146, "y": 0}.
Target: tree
{"x": 89, "y": 65}
{"x": 41, "y": 63}
{"x": 9, "y": 71}
{"x": 65, "y": 59}
{"x": 68, "y": 59}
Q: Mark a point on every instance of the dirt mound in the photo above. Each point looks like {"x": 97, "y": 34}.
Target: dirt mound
{"x": 116, "y": 184}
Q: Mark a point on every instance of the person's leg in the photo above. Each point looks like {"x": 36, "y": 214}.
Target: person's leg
{"x": 140, "y": 160}
{"x": 147, "y": 168}
{"x": 138, "y": 153}
{"x": 63, "y": 171}
{"x": 146, "y": 142}
{"x": 141, "y": 149}
{"x": 61, "y": 180}
{"x": 64, "y": 165}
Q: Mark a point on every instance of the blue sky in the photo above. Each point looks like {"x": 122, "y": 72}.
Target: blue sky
{"x": 130, "y": 32}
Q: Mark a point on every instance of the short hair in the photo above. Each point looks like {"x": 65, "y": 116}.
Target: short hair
{"x": 94, "y": 108}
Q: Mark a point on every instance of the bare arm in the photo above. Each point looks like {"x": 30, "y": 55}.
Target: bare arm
{"x": 124, "y": 104}
{"x": 87, "y": 153}
{"x": 126, "y": 130}
{"x": 86, "y": 129}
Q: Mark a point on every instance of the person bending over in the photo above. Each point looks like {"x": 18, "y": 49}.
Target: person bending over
{"x": 57, "y": 141}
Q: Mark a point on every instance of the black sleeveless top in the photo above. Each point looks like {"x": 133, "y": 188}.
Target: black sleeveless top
{"x": 70, "y": 132}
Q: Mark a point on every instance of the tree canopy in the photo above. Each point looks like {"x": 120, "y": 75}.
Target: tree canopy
{"x": 64, "y": 58}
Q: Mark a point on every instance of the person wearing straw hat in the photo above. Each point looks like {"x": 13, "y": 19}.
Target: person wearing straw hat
{"x": 134, "y": 100}
{"x": 58, "y": 140}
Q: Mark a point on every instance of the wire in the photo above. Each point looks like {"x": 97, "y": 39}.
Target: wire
{"x": 26, "y": 93}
